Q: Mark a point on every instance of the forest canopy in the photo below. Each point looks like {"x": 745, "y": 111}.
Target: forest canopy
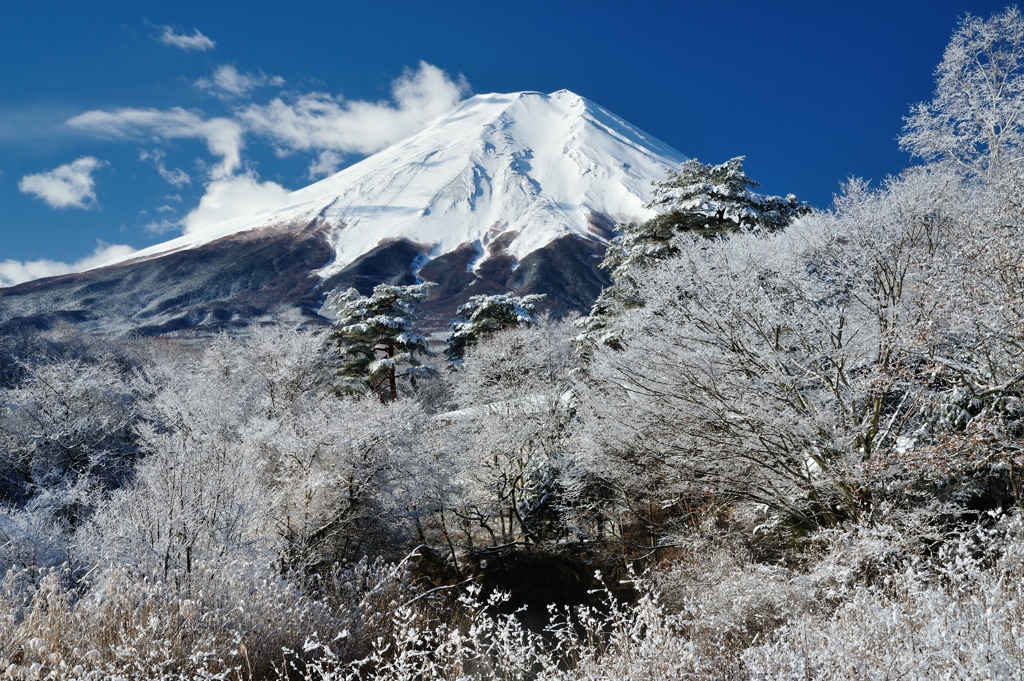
{"x": 789, "y": 443}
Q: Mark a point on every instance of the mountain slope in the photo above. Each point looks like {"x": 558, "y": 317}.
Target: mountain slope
{"x": 506, "y": 192}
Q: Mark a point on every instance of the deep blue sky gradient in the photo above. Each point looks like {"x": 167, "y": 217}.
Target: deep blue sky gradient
{"x": 812, "y": 93}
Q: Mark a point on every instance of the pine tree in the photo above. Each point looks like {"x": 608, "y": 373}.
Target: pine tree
{"x": 483, "y": 315}
{"x": 710, "y": 200}
{"x": 374, "y": 337}
{"x": 702, "y": 199}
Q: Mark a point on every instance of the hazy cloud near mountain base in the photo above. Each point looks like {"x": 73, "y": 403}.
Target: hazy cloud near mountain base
{"x": 326, "y": 163}
{"x": 67, "y": 186}
{"x": 14, "y": 272}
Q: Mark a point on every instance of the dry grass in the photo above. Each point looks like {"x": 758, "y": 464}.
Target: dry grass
{"x": 956, "y": 614}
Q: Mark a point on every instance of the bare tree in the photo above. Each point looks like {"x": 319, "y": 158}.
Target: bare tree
{"x": 976, "y": 118}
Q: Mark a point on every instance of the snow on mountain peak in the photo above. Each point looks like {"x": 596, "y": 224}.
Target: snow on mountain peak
{"x": 528, "y": 167}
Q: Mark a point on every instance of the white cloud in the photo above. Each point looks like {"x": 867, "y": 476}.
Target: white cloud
{"x": 228, "y": 193}
{"x": 176, "y": 177}
{"x": 231, "y": 198}
{"x": 14, "y": 272}
{"x": 223, "y": 136}
{"x": 67, "y": 186}
{"x": 326, "y": 163}
{"x": 329, "y": 126}
{"x": 319, "y": 121}
{"x": 196, "y": 41}
{"x": 228, "y": 80}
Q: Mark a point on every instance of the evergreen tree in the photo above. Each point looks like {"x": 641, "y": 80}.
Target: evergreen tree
{"x": 702, "y": 199}
{"x": 374, "y": 337}
{"x": 483, "y": 315}
{"x": 710, "y": 200}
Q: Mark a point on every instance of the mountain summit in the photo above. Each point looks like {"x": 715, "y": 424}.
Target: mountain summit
{"x": 505, "y": 192}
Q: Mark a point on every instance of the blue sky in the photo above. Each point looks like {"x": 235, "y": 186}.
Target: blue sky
{"x": 118, "y": 118}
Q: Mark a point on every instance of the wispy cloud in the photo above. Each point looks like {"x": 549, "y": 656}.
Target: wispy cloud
{"x": 223, "y": 136}
{"x": 228, "y": 81}
{"x": 175, "y": 176}
{"x": 325, "y": 123}
{"x": 14, "y": 272}
{"x": 197, "y": 41}
{"x": 33, "y": 124}
{"x": 67, "y": 186}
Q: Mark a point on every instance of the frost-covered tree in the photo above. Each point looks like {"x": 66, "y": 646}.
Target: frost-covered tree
{"x": 814, "y": 367}
{"x": 728, "y": 387}
{"x": 976, "y": 118}
{"x": 250, "y": 458}
{"x": 196, "y": 497}
{"x": 344, "y": 480}
{"x": 376, "y": 345}
{"x": 704, "y": 199}
{"x": 484, "y": 315}
{"x": 68, "y": 420}
{"x": 279, "y": 365}
{"x": 707, "y": 200}
{"x": 9, "y": 368}
{"x": 506, "y": 444}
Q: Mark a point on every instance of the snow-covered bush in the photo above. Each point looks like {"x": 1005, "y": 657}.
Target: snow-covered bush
{"x": 231, "y": 621}
{"x": 505, "y": 446}
{"x": 957, "y": 614}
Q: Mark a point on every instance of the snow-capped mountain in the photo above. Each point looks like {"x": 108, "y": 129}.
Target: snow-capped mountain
{"x": 505, "y": 192}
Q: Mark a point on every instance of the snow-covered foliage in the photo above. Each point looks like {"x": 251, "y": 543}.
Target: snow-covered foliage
{"x": 484, "y": 315}
{"x": 695, "y": 199}
{"x": 802, "y": 460}
{"x": 506, "y": 444}
{"x": 375, "y": 342}
{"x": 722, "y": 193}
{"x": 800, "y": 369}
{"x": 955, "y": 614}
{"x": 976, "y": 118}
{"x": 704, "y": 199}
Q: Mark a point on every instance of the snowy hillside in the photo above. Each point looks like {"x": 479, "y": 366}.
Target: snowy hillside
{"x": 529, "y": 166}
{"x": 510, "y": 193}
